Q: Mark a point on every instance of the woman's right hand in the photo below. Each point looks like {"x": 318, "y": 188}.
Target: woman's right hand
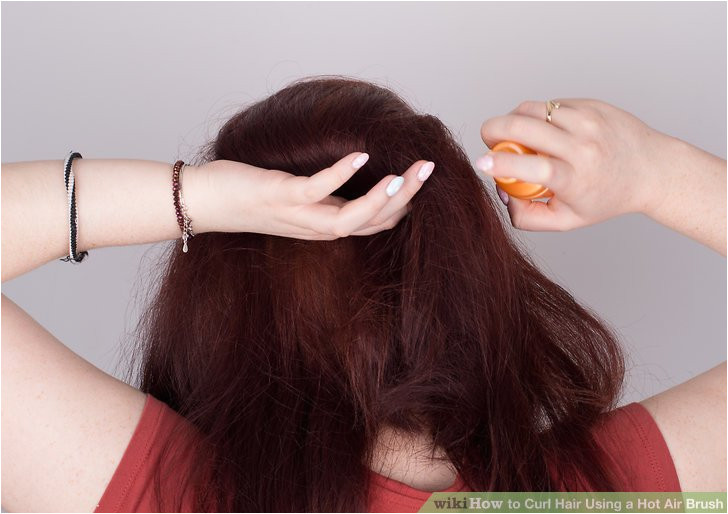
{"x": 237, "y": 197}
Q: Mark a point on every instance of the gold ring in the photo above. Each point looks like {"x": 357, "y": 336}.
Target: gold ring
{"x": 550, "y": 107}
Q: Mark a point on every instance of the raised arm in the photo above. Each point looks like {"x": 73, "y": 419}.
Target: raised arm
{"x": 124, "y": 202}
{"x": 65, "y": 423}
{"x": 120, "y": 202}
{"x": 600, "y": 162}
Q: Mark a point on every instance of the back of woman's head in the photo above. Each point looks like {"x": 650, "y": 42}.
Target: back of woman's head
{"x": 290, "y": 355}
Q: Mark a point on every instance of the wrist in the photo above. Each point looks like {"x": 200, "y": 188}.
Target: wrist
{"x": 692, "y": 200}
{"x": 196, "y": 193}
{"x": 667, "y": 174}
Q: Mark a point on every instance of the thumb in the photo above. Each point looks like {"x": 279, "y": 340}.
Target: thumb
{"x": 535, "y": 215}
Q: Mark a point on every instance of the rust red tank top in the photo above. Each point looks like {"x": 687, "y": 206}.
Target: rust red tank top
{"x": 641, "y": 459}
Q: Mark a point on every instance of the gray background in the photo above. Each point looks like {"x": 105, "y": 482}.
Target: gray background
{"x": 154, "y": 81}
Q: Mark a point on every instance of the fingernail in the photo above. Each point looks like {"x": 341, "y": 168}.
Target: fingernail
{"x": 503, "y": 195}
{"x": 485, "y": 163}
{"x": 360, "y": 161}
{"x": 425, "y": 171}
{"x": 395, "y": 185}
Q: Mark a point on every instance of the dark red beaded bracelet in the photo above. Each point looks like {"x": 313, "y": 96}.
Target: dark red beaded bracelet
{"x": 183, "y": 220}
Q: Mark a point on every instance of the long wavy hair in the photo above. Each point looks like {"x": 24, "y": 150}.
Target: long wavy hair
{"x": 289, "y": 356}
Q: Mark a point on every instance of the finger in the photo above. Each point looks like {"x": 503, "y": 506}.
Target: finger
{"x": 333, "y": 200}
{"x": 321, "y": 184}
{"x": 413, "y": 180}
{"x": 341, "y": 221}
{"x": 537, "y": 169}
{"x": 563, "y": 117}
{"x": 538, "y": 108}
{"x": 572, "y": 103}
{"x": 358, "y": 213}
{"x": 579, "y": 117}
{"x": 581, "y": 103}
{"x": 539, "y": 135}
{"x": 553, "y": 215}
{"x": 297, "y": 232}
{"x": 387, "y": 224}
{"x": 313, "y": 236}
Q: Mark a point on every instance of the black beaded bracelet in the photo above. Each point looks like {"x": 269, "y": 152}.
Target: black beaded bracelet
{"x": 69, "y": 180}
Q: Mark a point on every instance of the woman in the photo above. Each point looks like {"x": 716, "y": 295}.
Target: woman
{"x": 288, "y": 365}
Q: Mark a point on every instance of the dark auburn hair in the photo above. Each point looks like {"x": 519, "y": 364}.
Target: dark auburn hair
{"x": 290, "y": 355}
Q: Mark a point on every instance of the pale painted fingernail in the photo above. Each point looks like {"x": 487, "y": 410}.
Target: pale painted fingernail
{"x": 485, "y": 163}
{"x": 425, "y": 171}
{"x": 360, "y": 161}
{"x": 395, "y": 185}
{"x": 503, "y": 195}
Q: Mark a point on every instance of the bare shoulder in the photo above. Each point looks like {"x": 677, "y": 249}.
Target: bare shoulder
{"x": 692, "y": 419}
{"x": 65, "y": 423}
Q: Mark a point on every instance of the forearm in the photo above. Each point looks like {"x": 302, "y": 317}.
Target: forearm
{"x": 119, "y": 202}
{"x": 693, "y": 202}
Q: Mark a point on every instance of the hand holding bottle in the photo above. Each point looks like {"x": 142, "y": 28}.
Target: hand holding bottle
{"x": 599, "y": 162}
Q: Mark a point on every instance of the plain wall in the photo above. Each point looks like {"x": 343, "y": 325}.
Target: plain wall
{"x": 155, "y": 81}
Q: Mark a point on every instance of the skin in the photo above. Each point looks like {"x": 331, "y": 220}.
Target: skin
{"x": 67, "y": 423}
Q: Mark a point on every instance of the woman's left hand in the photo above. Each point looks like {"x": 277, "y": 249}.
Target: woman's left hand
{"x": 598, "y": 160}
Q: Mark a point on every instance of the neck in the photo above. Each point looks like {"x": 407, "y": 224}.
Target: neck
{"x": 411, "y": 459}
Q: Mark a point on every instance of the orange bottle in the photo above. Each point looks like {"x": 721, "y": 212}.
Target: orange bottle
{"x": 515, "y": 187}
